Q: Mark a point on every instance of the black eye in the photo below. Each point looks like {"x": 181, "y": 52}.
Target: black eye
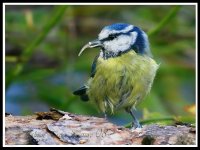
{"x": 111, "y": 37}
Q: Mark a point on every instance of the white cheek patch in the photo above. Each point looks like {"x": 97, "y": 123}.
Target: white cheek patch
{"x": 121, "y": 43}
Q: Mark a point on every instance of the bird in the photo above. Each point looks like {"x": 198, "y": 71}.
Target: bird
{"x": 122, "y": 73}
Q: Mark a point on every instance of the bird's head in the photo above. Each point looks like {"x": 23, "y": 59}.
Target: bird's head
{"x": 119, "y": 38}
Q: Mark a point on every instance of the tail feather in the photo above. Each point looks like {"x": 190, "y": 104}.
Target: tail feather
{"x": 82, "y": 93}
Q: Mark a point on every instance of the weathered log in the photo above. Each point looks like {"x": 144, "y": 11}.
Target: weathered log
{"x": 63, "y": 128}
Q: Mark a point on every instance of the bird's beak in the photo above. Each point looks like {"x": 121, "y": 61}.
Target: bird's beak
{"x": 91, "y": 44}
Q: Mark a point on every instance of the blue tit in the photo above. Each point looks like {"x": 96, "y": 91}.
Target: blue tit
{"x": 122, "y": 73}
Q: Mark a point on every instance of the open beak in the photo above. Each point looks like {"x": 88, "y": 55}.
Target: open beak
{"x": 91, "y": 44}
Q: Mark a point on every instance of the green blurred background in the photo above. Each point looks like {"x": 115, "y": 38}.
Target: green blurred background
{"x": 43, "y": 69}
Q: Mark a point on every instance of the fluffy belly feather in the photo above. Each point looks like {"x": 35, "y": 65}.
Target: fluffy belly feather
{"x": 121, "y": 82}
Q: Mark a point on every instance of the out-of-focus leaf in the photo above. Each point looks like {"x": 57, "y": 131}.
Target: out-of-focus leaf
{"x": 149, "y": 115}
{"x": 29, "y": 50}
{"x": 153, "y": 103}
{"x": 185, "y": 119}
{"x": 156, "y": 117}
{"x": 190, "y": 109}
{"x": 37, "y": 74}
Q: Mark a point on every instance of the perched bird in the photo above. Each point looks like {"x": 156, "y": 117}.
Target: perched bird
{"x": 123, "y": 72}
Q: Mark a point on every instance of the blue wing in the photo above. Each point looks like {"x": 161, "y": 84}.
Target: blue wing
{"x": 93, "y": 71}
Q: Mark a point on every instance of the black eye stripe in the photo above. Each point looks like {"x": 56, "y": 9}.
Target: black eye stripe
{"x": 113, "y": 36}
{"x": 110, "y": 37}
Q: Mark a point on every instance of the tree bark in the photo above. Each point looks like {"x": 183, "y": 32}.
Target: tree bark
{"x": 63, "y": 128}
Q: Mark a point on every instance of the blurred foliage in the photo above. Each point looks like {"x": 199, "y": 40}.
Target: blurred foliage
{"x": 42, "y": 67}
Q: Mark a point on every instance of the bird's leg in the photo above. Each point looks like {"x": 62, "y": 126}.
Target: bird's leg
{"x": 105, "y": 116}
{"x": 135, "y": 123}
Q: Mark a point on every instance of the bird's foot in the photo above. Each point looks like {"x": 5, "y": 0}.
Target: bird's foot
{"x": 136, "y": 126}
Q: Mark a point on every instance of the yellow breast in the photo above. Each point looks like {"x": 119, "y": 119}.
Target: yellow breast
{"x": 121, "y": 82}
